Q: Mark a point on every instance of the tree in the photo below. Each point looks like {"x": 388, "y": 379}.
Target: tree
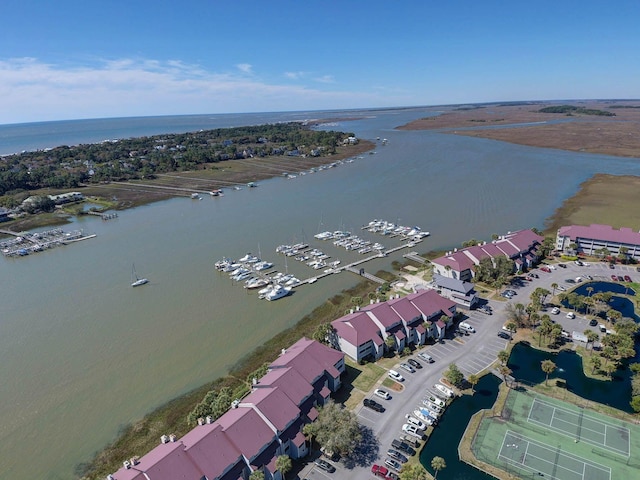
{"x": 438, "y": 463}
{"x": 454, "y": 375}
{"x": 323, "y": 333}
{"x": 596, "y": 363}
{"x": 503, "y": 356}
{"x": 336, "y": 429}
{"x": 390, "y": 342}
{"x": 473, "y": 381}
{"x": 592, "y": 337}
{"x": 256, "y": 475}
{"x": 545, "y": 328}
{"x": 548, "y": 367}
{"x": 413, "y": 472}
{"x": 512, "y": 327}
{"x": 635, "y": 403}
{"x": 609, "y": 368}
{"x": 283, "y": 463}
{"x": 505, "y": 372}
{"x": 554, "y": 286}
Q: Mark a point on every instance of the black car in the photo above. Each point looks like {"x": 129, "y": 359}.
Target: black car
{"x": 593, "y": 322}
{"x": 397, "y": 455}
{"x": 324, "y": 465}
{"x": 373, "y": 405}
{"x": 414, "y": 363}
{"x": 562, "y": 265}
{"x": 504, "y": 335}
{"x": 403, "y": 447}
{"x": 393, "y": 476}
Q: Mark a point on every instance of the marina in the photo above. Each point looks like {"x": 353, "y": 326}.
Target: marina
{"x": 251, "y": 269}
{"x": 25, "y": 243}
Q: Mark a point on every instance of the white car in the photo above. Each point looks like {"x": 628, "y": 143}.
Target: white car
{"x": 555, "y": 310}
{"x": 427, "y": 358}
{"x": 382, "y": 393}
{"x": 571, "y": 315}
{"x": 447, "y": 392}
{"x": 433, "y": 399}
{"x": 407, "y": 367}
{"x": 396, "y": 376}
{"x": 414, "y": 421}
{"x": 412, "y": 430}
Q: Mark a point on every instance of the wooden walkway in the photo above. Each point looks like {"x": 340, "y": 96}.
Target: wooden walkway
{"x": 415, "y": 257}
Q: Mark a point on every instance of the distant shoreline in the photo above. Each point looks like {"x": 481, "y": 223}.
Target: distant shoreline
{"x": 615, "y": 135}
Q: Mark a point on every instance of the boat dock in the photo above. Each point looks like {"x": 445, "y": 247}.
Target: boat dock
{"x": 25, "y": 243}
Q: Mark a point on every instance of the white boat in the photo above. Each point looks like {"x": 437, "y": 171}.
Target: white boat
{"x": 277, "y": 292}
{"x": 249, "y": 258}
{"x": 241, "y": 276}
{"x": 263, "y": 291}
{"x": 195, "y": 196}
{"x": 256, "y": 283}
{"x": 262, "y": 266}
{"x": 135, "y": 281}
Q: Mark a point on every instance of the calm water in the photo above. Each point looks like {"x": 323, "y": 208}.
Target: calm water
{"x": 445, "y": 439}
{"x": 82, "y": 353}
{"x": 621, "y": 304}
{"x": 525, "y": 363}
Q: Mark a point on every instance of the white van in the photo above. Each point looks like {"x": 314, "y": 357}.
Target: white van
{"x": 466, "y": 327}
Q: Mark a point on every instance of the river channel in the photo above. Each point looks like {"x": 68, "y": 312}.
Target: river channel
{"x": 82, "y": 353}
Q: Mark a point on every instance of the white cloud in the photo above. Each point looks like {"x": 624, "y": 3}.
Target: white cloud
{"x": 31, "y": 90}
{"x": 325, "y": 79}
{"x": 294, "y": 75}
{"x": 245, "y": 68}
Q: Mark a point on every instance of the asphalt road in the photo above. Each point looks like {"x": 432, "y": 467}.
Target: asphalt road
{"x": 472, "y": 354}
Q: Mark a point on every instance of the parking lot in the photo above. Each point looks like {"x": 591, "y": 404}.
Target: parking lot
{"x": 471, "y": 353}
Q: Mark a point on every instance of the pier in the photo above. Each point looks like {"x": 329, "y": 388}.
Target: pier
{"x": 26, "y": 243}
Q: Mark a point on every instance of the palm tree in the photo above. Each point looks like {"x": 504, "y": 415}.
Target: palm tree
{"x": 589, "y": 291}
{"x": 256, "y": 475}
{"x": 554, "y": 286}
{"x": 283, "y": 463}
{"x": 473, "y": 381}
{"x": 591, "y": 338}
{"x": 597, "y": 363}
{"x": 503, "y": 356}
{"x": 505, "y": 372}
{"x": 548, "y": 367}
{"x": 609, "y": 368}
{"x": 413, "y": 472}
{"x": 512, "y": 327}
{"x": 438, "y": 463}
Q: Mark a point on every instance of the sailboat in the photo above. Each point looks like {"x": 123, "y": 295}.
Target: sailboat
{"x": 135, "y": 281}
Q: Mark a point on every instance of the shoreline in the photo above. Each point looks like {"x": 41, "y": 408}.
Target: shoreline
{"x": 210, "y": 177}
{"x": 524, "y": 124}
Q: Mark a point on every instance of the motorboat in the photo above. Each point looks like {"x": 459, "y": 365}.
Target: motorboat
{"x": 249, "y": 258}
{"x": 262, "y": 266}
{"x": 277, "y": 292}
{"x": 257, "y": 282}
{"x": 241, "y": 276}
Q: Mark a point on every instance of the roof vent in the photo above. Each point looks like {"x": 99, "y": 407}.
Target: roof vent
{"x": 254, "y": 381}
{"x": 283, "y": 351}
{"x": 201, "y": 421}
{"x": 235, "y": 403}
{"x": 164, "y": 439}
{"x": 135, "y": 460}
{"x": 209, "y": 419}
{"x": 110, "y": 477}
{"x": 172, "y": 437}
{"x": 127, "y": 464}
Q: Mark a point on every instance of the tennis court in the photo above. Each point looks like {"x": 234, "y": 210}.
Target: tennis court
{"x": 534, "y": 459}
{"x": 580, "y": 426}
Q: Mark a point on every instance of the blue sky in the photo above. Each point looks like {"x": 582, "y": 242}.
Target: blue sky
{"x": 67, "y": 59}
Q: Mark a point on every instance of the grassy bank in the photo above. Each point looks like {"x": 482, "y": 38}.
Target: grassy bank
{"x": 606, "y": 199}
{"x": 144, "y": 435}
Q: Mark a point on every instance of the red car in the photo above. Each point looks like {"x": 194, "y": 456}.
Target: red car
{"x": 545, "y": 269}
{"x": 627, "y": 278}
{"x": 614, "y": 278}
{"x": 379, "y": 470}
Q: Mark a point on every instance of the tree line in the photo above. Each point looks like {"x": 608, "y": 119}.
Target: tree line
{"x": 143, "y": 157}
